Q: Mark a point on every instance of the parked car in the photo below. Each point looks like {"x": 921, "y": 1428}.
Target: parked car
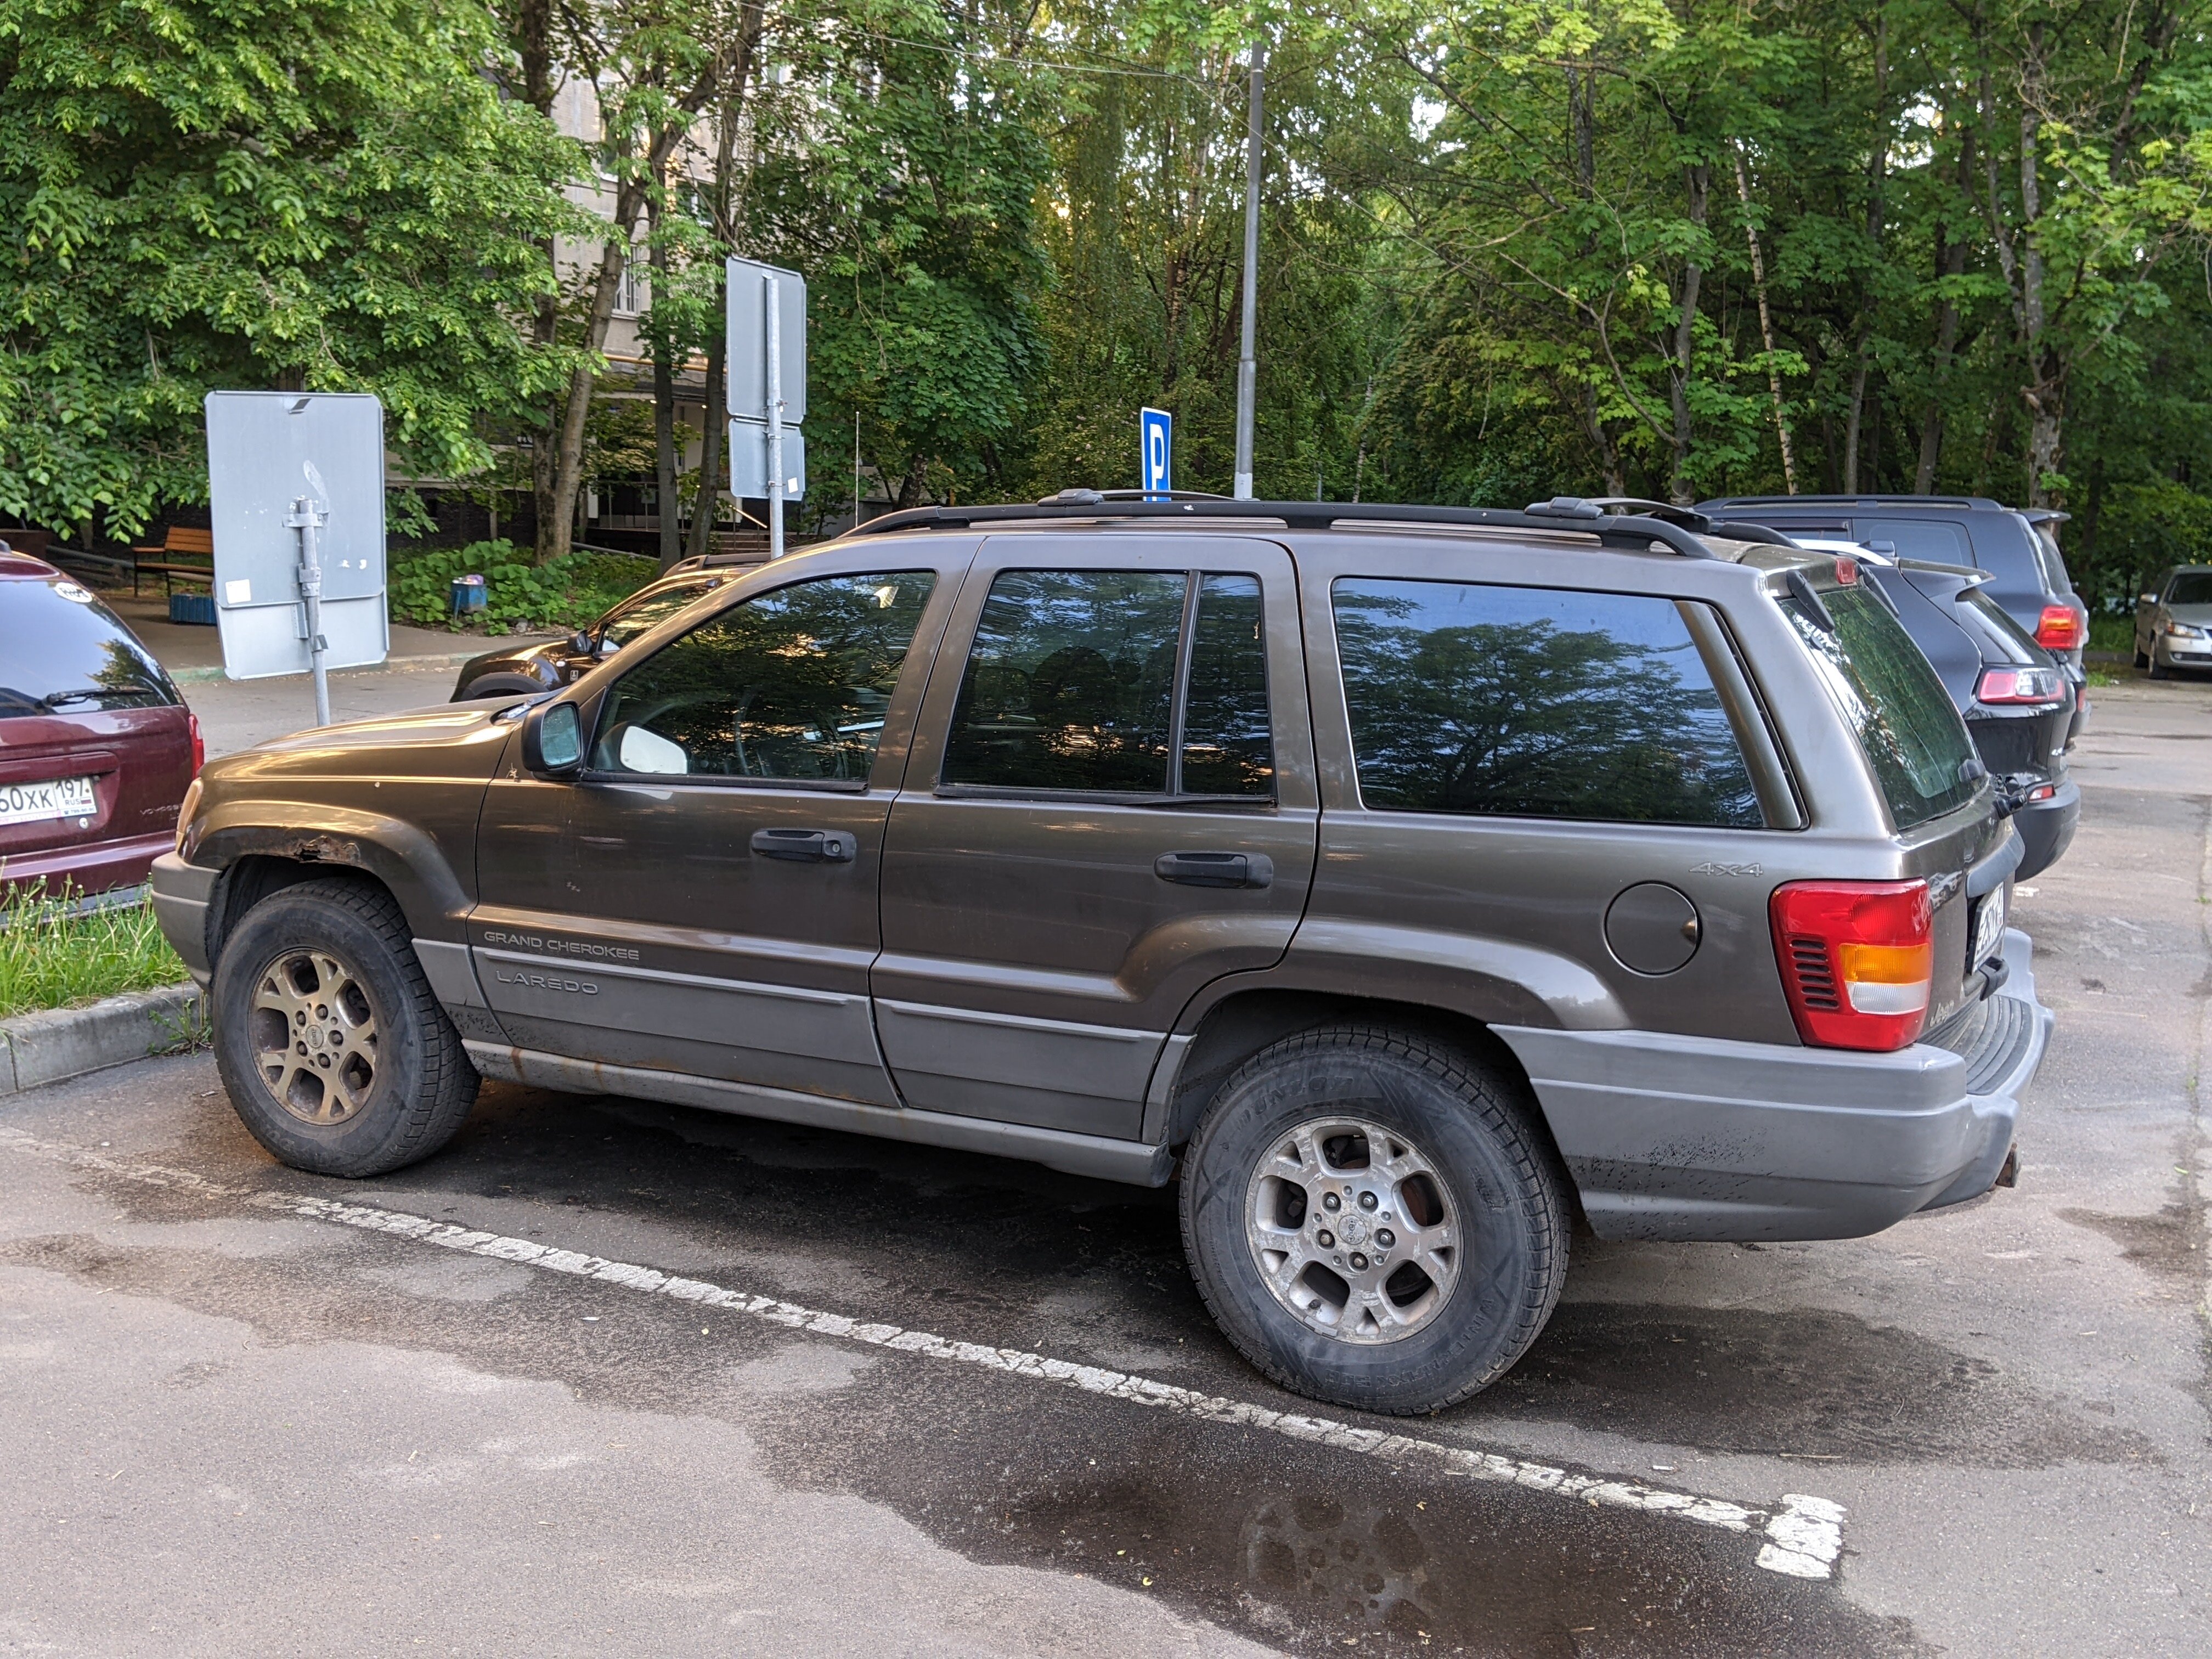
{"x": 550, "y": 664}
{"x": 96, "y": 747}
{"x": 2019, "y": 549}
{"x": 2016, "y": 700}
{"x": 1415, "y": 884}
{"x": 2173, "y": 620}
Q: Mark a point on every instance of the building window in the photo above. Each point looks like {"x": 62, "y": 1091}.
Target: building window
{"x": 632, "y": 294}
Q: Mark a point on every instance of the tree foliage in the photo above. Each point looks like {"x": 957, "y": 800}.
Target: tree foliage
{"x": 286, "y": 193}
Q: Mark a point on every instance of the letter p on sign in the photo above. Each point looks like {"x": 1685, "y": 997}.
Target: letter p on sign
{"x": 1155, "y": 430}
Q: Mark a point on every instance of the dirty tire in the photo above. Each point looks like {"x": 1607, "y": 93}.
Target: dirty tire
{"x": 424, "y": 1084}
{"x": 1474, "y": 1128}
{"x": 2142, "y": 658}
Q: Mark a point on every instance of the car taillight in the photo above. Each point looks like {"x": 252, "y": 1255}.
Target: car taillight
{"x": 1857, "y": 960}
{"x": 2021, "y": 685}
{"x": 2059, "y": 628}
{"x": 199, "y": 743}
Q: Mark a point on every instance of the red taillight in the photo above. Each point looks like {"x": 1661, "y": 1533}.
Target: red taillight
{"x": 199, "y": 743}
{"x": 2059, "y": 629}
{"x": 1858, "y": 959}
{"x": 2017, "y": 685}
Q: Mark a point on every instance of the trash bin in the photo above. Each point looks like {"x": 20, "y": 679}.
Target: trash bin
{"x": 195, "y": 608}
{"x": 469, "y": 594}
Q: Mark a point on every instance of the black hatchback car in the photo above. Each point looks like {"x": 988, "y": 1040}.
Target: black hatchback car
{"x": 2019, "y": 549}
{"x": 2018, "y": 703}
{"x": 551, "y": 664}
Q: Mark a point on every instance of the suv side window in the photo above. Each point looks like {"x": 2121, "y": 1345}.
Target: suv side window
{"x": 1073, "y": 685}
{"x": 790, "y": 684}
{"x": 1535, "y": 702}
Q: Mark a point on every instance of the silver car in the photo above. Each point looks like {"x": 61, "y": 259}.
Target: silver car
{"x": 2173, "y": 620}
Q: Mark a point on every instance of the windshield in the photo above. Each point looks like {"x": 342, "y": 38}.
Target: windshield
{"x": 61, "y": 652}
{"x": 1898, "y": 710}
{"x": 2192, "y": 587}
{"x": 627, "y": 622}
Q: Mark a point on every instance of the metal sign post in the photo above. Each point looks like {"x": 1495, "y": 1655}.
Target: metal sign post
{"x": 767, "y": 356}
{"x": 296, "y": 485}
{"x": 775, "y": 419}
{"x": 1156, "y": 452}
{"x": 307, "y": 518}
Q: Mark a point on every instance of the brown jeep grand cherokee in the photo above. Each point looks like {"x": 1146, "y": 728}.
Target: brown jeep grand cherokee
{"x": 1414, "y": 883}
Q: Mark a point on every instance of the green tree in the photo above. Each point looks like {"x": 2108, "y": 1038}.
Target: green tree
{"x": 291, "y": 194}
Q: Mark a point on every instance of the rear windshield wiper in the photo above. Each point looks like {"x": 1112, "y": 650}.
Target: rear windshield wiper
{"x": 56, "y": 699}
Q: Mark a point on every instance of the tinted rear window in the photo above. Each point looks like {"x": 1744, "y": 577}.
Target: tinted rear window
{"x": 61, "y": 652}
{"x": 2002, "y": 639}
{"x": 1535, "y": 702}
{"x": 1931, "y": 539}
{"x": 1898, "y": 710}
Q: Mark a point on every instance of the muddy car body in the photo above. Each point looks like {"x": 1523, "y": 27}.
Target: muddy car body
{"x": 1205, "y": 840}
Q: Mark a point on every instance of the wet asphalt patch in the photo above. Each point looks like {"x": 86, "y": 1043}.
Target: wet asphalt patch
{"x": 1808, "y": 1383}
{"x": 1298, "y": 1544}
{"x": 1299, "y": 1547}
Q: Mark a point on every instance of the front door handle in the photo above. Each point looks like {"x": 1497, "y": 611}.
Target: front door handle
{"x": 1215, "y": 869}
{"x": 807, "y": 846}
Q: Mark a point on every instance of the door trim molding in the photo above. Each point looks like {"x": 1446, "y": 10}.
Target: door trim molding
{"x": 1099, "y": 1157}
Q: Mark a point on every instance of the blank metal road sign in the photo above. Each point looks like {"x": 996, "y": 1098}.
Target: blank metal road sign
{"x": 266, "y": 450}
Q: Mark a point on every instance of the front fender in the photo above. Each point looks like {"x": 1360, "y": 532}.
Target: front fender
{"x": 407, "y": 859}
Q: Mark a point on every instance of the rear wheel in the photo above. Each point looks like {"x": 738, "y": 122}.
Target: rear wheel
{"x": 1372, "y": 1220}
{"x": 335, "y": 1053}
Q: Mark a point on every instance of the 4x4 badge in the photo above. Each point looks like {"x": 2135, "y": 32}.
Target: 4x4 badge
{"x": 1711, "y": 869}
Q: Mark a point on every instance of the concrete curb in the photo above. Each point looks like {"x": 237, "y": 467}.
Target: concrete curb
{"x": 58, "y": 1043}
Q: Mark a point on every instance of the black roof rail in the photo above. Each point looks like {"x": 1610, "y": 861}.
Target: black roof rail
{"x": 1977, "y": 503}
{"x": 1634, "y": 531}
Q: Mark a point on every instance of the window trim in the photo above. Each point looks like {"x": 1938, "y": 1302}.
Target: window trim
{"x": 1706, "y": 655}
{"x": 1174, "y": 796}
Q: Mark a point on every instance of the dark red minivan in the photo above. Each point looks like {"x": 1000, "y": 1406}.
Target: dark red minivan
{"x": 96, "y": 747}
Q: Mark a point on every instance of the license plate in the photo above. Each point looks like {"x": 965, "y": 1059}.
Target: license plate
{"x": 55, "y": 798}
{"x": 1989, "y": 928}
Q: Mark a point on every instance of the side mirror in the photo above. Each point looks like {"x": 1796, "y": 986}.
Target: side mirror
{"x": 581, "y": 643}
{"x": 553, "y": 740}
{"x": 2146, "y": 598}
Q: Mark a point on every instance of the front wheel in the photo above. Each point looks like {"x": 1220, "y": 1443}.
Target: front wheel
{"x": 335, "y": 1053}
{"x": 1373, "y": 1220}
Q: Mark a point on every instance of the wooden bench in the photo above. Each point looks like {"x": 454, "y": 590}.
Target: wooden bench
{"x": 177, "y": 540}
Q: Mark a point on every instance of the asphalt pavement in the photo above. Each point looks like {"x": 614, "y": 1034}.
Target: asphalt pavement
{"x": 606, "y": 1377}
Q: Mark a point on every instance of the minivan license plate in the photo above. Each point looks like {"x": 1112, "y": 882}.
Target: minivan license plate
{"x": 53, "y": 797}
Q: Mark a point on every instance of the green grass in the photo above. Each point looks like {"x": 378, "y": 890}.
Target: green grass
{"x": 2113, "y": 634}
{"x": 50, "y": 959}
{"x": 566, "y": 594}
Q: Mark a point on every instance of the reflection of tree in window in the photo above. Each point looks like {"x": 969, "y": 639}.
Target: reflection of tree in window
{"x": 1535, "y": 702}
{"x": 1228, "y": 748}
{"x": 1070, "y": 683}
{"x": 790, "y": 684}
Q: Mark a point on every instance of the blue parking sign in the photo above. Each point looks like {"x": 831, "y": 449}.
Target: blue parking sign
{"x": 1156, "y": 436}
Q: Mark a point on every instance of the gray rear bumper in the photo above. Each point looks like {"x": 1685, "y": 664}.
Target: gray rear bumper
{"x": 1694, "y": 1138}
{"x": 181, "y": 892}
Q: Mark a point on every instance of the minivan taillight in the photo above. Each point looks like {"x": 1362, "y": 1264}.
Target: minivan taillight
{"x": 1857, "y": 960}
{"x": 2059, "y": 628}
{"x": 199, "y": 743}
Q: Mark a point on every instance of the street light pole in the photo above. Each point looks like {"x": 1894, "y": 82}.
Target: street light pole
{"x": 1248, "y": 372}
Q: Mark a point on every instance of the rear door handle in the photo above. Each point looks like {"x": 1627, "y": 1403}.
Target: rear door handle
{"x": 807, "y": 846}
{"x": 1215, "y": 869}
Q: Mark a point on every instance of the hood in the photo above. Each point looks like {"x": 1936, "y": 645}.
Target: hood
{"x": 2196, "y": 616}
{"x": 445, "y": 739}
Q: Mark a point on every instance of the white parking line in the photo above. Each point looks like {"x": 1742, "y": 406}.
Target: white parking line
{"x": 1802, "y": 1536}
